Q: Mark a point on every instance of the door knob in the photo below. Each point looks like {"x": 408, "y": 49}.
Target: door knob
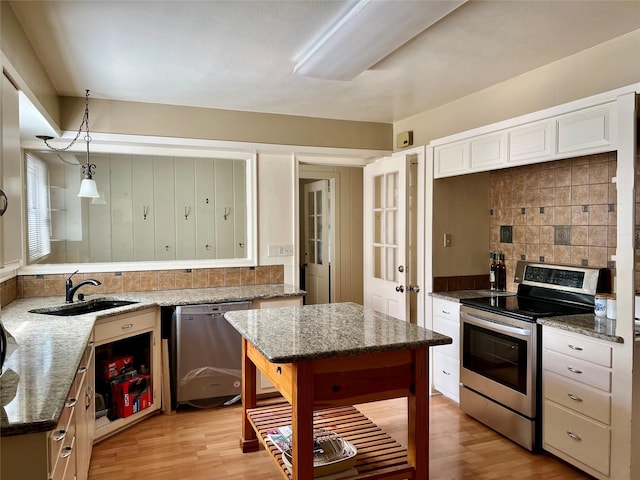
{"x": 413, "y": 288}
{"x": 400, "y": 289}
{"x": 401, "y": 268}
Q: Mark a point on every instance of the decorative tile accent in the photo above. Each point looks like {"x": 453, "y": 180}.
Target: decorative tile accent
{"x": 562, "y": 235}
{"x": 541, "y": 258}
{"x": 541, "y": 210}
{"x": 506, "y": 233}
{"x": 585, "y": 262}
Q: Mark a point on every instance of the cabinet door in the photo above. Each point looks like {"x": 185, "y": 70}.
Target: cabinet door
{"x": 240, "y": 208}
{"x": 185, "y": 209}
{"x": 451, "y": 159}
{"x": 164, "y": 201}
{"x": 487, "y": 151}
{"x": 446, "y": 375}
{"x": 532, "y": 142}
{"x": 587, "y": 131}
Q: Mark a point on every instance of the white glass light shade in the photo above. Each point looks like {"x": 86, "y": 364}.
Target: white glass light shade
{"x": 88, "y": 188}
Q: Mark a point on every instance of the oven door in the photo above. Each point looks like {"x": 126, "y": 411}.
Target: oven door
{"x": 498, "y": 358}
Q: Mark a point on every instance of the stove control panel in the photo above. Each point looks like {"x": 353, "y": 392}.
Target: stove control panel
{"x": 559, "y": 277}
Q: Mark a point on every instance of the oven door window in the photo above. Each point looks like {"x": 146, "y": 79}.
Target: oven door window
{"x": 496, "y": 356}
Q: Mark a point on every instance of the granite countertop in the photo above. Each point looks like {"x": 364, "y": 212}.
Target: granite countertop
{"x": 457, "y": 295}
{"x": 295, "y": 334}
{"x": 586, "y": 324}
{"x": 38, "y": 374}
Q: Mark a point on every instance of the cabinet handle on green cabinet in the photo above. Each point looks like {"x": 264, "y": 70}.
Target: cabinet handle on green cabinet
{"x": 573, "y": 347}
{"x": 574, "y": 397}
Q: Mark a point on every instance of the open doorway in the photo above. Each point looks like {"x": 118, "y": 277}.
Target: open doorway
{"x": 330, "y": 233}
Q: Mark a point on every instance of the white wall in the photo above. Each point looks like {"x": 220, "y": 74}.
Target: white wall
{"x": 276, "y": 210}
{"x": 605, "y": 67}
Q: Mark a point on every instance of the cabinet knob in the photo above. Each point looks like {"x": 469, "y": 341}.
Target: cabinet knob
{"x": 400, "y": 289}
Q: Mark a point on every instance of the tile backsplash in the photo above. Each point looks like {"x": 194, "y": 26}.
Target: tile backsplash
{"x": 142, "y": 281}
{"x": 558, "y": 212}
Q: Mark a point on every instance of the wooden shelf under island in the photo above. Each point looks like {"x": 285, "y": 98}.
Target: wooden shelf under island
{"x": 325, "y": 358}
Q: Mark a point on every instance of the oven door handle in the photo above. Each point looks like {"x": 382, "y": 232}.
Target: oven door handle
{"x": 498, "y": 327}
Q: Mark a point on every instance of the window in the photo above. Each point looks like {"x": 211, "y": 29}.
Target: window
{"x": 38, "y": 212}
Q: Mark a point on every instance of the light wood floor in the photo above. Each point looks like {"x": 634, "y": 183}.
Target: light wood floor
{"x": 204, "y": 444}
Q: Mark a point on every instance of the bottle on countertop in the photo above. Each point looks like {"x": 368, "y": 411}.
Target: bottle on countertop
{"x": 492, "y": 272}
{"x": 501, "y": 274}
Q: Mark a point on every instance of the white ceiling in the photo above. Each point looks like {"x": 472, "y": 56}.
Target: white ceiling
{"x": 240, "y": 55}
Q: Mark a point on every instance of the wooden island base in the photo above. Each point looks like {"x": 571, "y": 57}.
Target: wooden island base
{"x": 378, "y": 454}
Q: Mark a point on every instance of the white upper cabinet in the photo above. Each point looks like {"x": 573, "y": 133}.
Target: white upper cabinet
{"x": 583, "y": 131}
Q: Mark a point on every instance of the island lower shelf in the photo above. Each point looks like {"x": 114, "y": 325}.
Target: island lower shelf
{"x": 379, "y": 456}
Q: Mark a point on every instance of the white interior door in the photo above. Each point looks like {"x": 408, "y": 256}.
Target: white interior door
{"x": 385, "y": 239}
{"x": 317, "y": 224}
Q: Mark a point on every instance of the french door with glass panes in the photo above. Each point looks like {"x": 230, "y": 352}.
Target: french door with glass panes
{"x": 393, "y": 234}
{"x": 317, "y": 252}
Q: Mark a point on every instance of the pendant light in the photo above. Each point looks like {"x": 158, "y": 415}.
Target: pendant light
{"x": 88, "y": 187}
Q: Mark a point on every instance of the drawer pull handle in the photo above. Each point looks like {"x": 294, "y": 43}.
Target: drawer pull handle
{"x": 127, "y": 326}
{"x": 574, "y": 397}
{"x": 573, "y": 347}
{"x": 573, "y": 435}
{"x": 82, "y": 370}
{"x": 574, "y": 370}
{"x": 446, "y": 313}
{"x": 91, "y": 344}
{"x": 66, "y": 451}
{"x": 445, "y": 372}
{"x": 60, "y": 435}
{"x": 278, "y": 369}
{"x": 71, "y": 402}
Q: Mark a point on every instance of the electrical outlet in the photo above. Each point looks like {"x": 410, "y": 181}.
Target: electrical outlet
{"x": 447, "y": 240}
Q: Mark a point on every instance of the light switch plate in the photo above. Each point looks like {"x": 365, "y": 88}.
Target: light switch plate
{"x": 281, "y": 250}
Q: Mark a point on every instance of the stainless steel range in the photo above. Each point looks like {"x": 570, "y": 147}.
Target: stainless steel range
{"x": 501, "y": 345}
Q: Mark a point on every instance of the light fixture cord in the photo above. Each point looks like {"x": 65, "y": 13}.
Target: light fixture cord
{"x": 84, "y": 124}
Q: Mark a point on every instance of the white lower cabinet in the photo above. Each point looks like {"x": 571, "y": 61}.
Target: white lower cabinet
{"x": 135, "y": 335}
{"x": 263, "y": 385}
{"x": 446, "y": 358}
{"x": 576, "y": 389}
{"x": 62, "y": 453}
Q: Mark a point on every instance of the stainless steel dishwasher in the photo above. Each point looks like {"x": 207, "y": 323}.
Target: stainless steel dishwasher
{"x": 208, "y": 355}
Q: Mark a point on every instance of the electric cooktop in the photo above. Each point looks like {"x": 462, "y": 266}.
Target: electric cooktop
{"x": 529, "y": 309}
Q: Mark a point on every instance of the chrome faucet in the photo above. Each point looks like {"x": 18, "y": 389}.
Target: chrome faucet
{"x": 70, "y": 289}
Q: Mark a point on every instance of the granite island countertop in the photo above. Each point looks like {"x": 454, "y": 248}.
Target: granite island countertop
{"x": 310, "y": 332}
{"x": 37, "y": 376}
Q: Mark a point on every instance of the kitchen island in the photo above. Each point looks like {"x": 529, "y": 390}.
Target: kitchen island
{"x": 325, "y": 358}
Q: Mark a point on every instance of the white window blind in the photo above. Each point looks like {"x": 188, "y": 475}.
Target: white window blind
{"x": 38, "y": 213}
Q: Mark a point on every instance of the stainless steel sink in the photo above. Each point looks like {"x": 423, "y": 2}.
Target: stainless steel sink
{"x": 90, "y": 306}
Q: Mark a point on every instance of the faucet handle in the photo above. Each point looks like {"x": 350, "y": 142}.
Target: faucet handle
{"x": 72, "y": 275}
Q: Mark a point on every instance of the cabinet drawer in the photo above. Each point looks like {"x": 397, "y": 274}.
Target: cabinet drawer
{"x": 446, "y": 375}
{"x": 65, "y": 468}
{"x": 580, "y": 438}
{"x": 578, "y": 370}
{"x": 124, "y": 325}
{"x": 446, "y": 309}
{"x": 61, "y": 439}
{"x": 578, "y": 347}
{"x": 451, "y": 329}
{"x": 577, "y": 396}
